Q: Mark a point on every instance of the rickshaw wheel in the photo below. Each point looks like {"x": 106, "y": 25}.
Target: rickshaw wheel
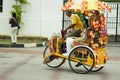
{"x": 97, "y": 69}
{"x": 56, "y": 62}
{"x": 81, "y": 55}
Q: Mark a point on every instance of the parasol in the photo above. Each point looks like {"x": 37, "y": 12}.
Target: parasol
{"x": 83, "y": 5}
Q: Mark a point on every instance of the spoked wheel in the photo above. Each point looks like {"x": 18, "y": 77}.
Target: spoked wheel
{"x": 97, "y": 69}
{"x": 56, "y": 62}
{"x": 79, "y": 58}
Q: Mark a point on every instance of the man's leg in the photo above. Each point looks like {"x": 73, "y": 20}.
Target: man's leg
{"x": 15, "y": 34}
{"x": 69, "y": 42}
{"x": 12, "y": 35}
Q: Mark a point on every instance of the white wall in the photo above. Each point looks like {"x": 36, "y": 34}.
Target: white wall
{"x": 43, "y": 18}
{"x": 4, "y": 17}
{"x": 31, "y": 19}
{"x": 51, "y": 16}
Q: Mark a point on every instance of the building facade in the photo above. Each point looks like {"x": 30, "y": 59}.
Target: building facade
{"x": 42, "y": 17}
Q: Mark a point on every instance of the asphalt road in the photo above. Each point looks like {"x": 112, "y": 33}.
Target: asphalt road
{"x": 26, "y": 64}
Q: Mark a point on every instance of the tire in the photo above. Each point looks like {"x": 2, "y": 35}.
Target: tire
{"x": 97, "y": 69}
{"x": 77, "y": 56}
{"x": 56, "y": 62}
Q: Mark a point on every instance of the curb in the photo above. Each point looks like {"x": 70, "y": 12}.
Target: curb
{"x": 20, "y": 45}
{"x": 114, "y": 44}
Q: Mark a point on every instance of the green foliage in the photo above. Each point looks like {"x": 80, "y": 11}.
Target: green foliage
{"x": 18, "y": 9}
{"x": 5, "y": 39}
{"x": 22, "y": 1}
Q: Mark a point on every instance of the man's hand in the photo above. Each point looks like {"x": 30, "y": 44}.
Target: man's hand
{"x": 63, "y": 32}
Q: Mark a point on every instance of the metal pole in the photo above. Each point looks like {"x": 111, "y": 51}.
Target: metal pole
{"x": 116, "y": 23}
{"x": 63, "y": 17}
{"x": 63, "y": 21}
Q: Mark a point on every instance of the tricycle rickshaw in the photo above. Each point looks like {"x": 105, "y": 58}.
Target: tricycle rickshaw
{"x": 89, "y": 51}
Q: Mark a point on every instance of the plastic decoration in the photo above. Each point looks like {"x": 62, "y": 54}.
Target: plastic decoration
{"x": 83, "y": 5}
{"x": 97, "y": 34}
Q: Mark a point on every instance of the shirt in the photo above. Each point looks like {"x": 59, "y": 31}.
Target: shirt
{"x": 13, "y": 22}
{"x": 75, "y": 19}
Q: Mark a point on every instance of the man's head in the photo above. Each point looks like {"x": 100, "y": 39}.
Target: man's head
{"x": 13, "y": 14}
{"x": 68, "y": 13}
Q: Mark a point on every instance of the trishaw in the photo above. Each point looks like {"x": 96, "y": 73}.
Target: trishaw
{"x": 89, "y": 52}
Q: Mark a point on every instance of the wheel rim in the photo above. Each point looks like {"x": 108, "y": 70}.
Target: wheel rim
{"x": 57, "y": 62}
{"x": 77, "y": 53}
{"x": 97, "y": 69}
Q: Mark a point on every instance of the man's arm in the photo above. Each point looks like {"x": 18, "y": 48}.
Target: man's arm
{"x": 71, "y": 26}
{"x": 63, "y": 32}
{"x": 10, "y": 20}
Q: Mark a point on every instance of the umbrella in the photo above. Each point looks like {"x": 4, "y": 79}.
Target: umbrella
{"x": 84, "y": 5}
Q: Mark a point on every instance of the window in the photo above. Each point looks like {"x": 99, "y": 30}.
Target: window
{"x": 1, "y": 5}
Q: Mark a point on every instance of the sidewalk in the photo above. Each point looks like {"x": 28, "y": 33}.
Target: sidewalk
{"x": 20, "y": 45}
{"x": 23, "y": 41}
{"x": 113, "y": 44}
{"x": 110, "y": 44}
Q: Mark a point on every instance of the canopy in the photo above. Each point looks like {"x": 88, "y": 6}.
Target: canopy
{"x": 86, "y": 5}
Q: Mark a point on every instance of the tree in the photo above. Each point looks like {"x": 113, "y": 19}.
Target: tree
{"x": 18, "y": 8}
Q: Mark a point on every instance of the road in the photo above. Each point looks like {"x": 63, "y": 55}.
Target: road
{"x": 26, "y": 64}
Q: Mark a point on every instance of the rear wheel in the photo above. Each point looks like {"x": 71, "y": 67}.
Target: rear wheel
{"x": 79, "y": 58}
{"x": 97, "y": 69}
{"x": 56, "y": 61}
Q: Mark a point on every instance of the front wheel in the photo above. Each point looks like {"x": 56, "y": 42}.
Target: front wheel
{"x": 56, "y": 62}
{"x": 80, "y": 57}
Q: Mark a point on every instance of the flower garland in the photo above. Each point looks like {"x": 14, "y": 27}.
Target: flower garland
{"x": 102, "y": 5}
{"x": 97, "y": 35}
{"x": 84, "y": 5}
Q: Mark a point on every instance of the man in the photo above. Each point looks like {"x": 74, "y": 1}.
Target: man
{"x": 14, "y": 27}
{"x": 77, "y": 26}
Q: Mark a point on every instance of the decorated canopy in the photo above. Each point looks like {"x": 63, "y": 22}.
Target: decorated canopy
{"x": 92, "y": 9}
{"x": 86, "y": 5}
